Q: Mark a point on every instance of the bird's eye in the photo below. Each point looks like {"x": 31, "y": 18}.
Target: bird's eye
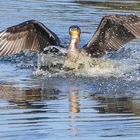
{"x": 69, "y": 29}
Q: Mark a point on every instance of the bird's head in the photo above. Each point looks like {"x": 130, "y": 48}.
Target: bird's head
{"x": 74, "y": 31}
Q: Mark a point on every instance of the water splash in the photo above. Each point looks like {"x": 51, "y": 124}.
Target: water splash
{"x": 108, "y": 66}
{"x": 125, "y": 62}
{"x": 24, "y": 59}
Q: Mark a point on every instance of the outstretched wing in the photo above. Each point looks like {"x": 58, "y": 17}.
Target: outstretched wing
{"x": 31, "y": 35}
{"x": 112, "y": 33}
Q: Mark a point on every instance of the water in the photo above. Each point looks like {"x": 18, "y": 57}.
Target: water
{"x": 102, "y": 105}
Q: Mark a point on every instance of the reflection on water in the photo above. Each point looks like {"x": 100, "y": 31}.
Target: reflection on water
{"x": 51, "y": 113}
{"x": 74, "y": 104}
{"x": 25, "y": 98}
{"x": 69, "y": 107}
{"x": 120, "y": 104}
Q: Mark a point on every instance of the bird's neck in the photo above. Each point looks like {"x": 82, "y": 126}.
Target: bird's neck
{"x": 74, "y": 43}
{"x": 73, "y": 53}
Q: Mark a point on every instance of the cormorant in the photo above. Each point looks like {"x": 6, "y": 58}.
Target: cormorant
{"x": 112, "y": 33}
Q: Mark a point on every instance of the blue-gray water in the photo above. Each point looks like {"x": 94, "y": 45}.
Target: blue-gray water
{"x": 103, "y": 106}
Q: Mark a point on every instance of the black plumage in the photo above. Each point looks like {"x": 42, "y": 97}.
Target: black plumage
{"x": 112, "y": 33}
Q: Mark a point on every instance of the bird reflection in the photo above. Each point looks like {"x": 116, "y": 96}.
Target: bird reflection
{"x": 26, "y": 98}
{"x": 34, "y": 98}
{"x": 117, "y": 104}
{"x": 74, "y": 107}
{"x": 74, "y": 102}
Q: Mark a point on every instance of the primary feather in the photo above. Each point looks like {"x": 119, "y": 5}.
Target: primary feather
{"x": 112, "y": 33}
{"x": 30, "y": 35}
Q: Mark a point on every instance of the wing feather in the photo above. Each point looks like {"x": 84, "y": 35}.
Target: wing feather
{"x": 134, "y": 29}
{"x": 2, "y": 41}
{"x": 3, "y": 51}
{"x": 31, "y": 35}
{"x": 112, "y": 33}
{"x": 10, "y": 51}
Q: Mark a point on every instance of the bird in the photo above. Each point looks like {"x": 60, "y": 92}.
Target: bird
{"x": 111, "y": 34}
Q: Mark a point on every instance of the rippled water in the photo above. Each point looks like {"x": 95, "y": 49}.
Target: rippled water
{"x": 104, "y": 105}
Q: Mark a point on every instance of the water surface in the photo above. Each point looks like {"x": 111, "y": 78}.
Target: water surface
{"x": 104, "y": 105}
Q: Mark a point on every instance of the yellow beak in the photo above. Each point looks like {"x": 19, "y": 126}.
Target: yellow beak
{"x": 74, "y": 33}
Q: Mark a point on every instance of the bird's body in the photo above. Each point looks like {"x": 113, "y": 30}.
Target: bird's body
{"x": 112, "y": 33}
